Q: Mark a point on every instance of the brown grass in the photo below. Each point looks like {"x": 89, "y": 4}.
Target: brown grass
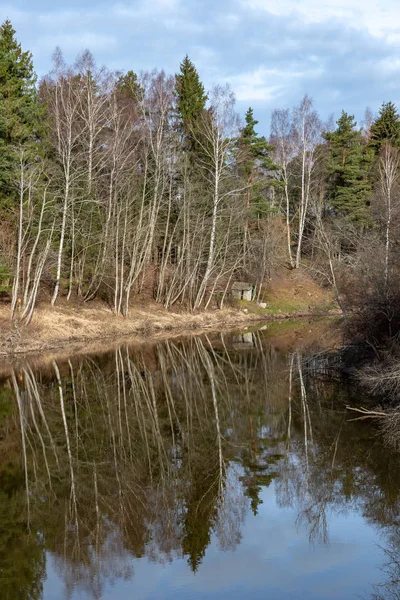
{"x": 294, "y": 290}
{"x": 59, "y": 327}
{"x": 73, "y": 327}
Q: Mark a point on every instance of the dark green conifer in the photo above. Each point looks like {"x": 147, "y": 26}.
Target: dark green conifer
{"x": 128, "y": 85}
{"x": 386, "y": 128}
{"x": 191, "y": 97}
{"x": 348, "y": 167}
{"x": 19, "y": 109}
{"x": 256, "y": 163}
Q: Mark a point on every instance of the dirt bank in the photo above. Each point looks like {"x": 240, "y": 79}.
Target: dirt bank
{"x": 63, "y": 328}
{"x": 70, "y": 326}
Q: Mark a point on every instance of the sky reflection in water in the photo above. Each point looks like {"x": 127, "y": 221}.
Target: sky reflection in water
{"x": 274, "y": 560}
{"x": 191, "y": 469}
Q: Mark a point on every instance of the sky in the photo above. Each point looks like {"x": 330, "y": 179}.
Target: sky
{"x": 344, "y": 53}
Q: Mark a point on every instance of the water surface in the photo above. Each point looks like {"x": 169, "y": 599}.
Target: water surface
{"x": 209, "y": 467}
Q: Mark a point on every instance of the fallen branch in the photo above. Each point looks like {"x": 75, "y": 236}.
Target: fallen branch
{"x": 367, "y": 414}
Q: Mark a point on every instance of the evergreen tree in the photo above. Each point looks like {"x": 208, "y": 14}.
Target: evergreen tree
{"x": 191, "y": 97}
{"x": 19, "y": 109}
{"x": 256, "y": 163}
{"x": 386, "y": 128}
{"x": 129, "y": 86}
{"x": 348, "y": 166}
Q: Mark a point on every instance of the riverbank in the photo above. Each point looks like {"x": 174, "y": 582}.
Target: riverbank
{"x": 62, "y": 328}
{"x": 74, "y": 325}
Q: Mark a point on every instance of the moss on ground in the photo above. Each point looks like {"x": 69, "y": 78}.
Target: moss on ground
{"x": 285, "y": 307}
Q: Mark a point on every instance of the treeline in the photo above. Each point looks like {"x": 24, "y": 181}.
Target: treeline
{"x": 117, "y": 184}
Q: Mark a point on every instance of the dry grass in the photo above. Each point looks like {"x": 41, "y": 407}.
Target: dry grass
{"x": 58, "y": 327}
{"x": 283, "y": 334}
{"x": 295, "y": 291}
{"x": 69, "y": 326}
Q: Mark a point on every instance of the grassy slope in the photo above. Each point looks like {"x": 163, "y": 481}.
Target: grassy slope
{"x": 290, "y": 294}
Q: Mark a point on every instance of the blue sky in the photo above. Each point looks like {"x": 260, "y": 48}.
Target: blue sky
{"x": 344, "y": 53}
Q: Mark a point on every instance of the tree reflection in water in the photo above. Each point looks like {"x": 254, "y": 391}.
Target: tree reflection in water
{"x": 149, "y": 452}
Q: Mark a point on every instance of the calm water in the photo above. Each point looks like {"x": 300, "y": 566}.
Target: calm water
{"x": 210, "y": 467}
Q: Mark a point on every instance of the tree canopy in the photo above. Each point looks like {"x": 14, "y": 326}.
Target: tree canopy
{"x": 386, "y": 127}
{"x": 191, "y": 96}
{"x": 257, "y": 162}
{"x": 348, "y": 166}
{"x": 20, "y": 111}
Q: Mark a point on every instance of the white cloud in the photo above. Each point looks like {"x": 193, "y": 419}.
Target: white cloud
{"x": 342, "y": 52}
{"x": 146, "y": 8}
{"x": 60, "y": 19}
{"x": 76, "y": 42}
{"x": 17, "y": 16}
{"x": 205, "y": 59}
{"x": 391, "y": 66}
{"x": 379, "y": 17}
{"x": 257, "y": 85}
{"x": 229, "y": 22}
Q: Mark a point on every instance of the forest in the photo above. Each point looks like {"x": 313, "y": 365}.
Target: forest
{"x": 120, "y": 190}
{"x": 116, "y": 185}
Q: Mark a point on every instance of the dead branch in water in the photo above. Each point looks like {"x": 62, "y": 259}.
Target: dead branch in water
{"x": 367, "y": 414}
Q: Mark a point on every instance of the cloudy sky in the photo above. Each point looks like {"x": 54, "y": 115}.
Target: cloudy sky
{"x": 344, "y": 53}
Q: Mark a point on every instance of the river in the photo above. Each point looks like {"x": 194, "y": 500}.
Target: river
{"x": 207, "y": 467}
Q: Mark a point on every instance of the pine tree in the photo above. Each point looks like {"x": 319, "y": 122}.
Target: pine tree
{"x": 256, "y": 163}
{"x": 129, "y": 86}
{"x": 348, "y": 167}
{"x": 386, "y": 128}
{"x": 191, "y": 97}
{"x": 19, "y": 108}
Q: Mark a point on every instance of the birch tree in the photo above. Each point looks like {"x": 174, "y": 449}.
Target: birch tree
{"x": 284, "y": 152}
{"x": 217, "y": 136}
{"x": 34, "y": 235}
{"x": 307, "y": 129}
{"x": 60, "y": 92}
{"x": 389, "y": 196}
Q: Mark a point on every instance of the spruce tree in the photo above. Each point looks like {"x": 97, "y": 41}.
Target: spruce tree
{"x": 256, "y": 163}
{"x": 348, "y": 166}
{"x": 386, "y": 128}
{"x": 19, "y": 109}
{"x": 191, "y": 97}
